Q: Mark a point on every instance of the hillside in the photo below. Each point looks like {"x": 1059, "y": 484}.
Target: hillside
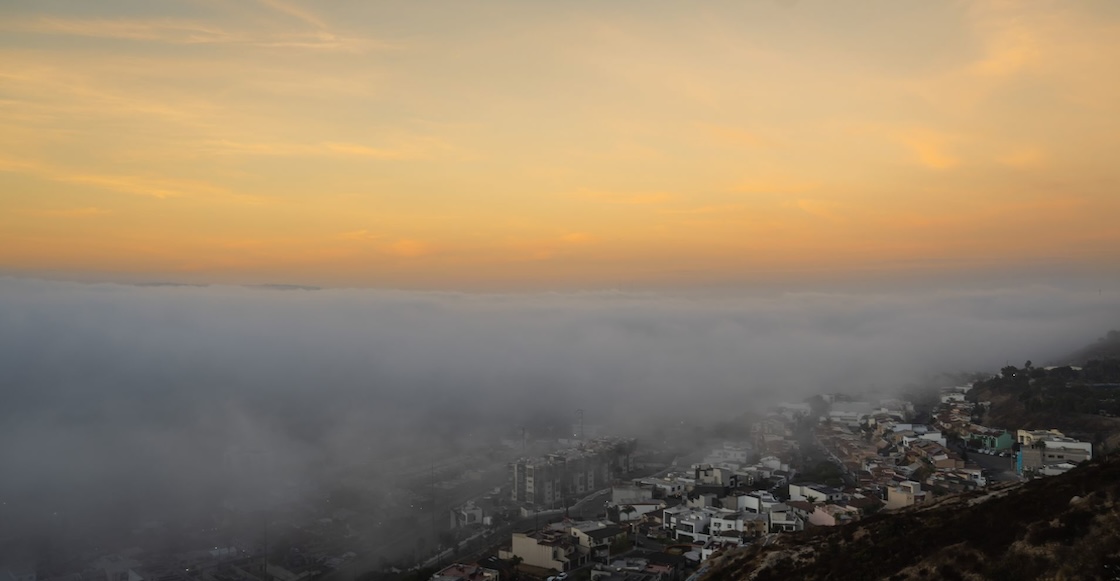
{"x": 1065, "y": 527}
{"x": 1083, "y": 403}
{"x": 1107, "y": 347}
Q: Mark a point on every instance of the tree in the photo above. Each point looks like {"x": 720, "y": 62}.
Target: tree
{"x": 628, "y": 510}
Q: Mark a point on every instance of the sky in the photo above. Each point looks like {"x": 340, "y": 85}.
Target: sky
{"x": 573, "y": 145}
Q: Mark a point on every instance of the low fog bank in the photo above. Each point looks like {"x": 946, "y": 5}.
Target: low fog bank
{"x": 123, "y": 403}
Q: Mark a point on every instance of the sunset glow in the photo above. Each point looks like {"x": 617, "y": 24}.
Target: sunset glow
{"x": 556, "y": 144}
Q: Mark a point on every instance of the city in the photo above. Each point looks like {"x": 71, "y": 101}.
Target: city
{"x": 597, "y": 507}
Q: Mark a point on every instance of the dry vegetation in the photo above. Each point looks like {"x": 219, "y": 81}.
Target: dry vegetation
{"x": 1066, "y": 527}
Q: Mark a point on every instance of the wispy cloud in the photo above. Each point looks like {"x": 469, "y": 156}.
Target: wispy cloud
{"x": 819, "y": 208}
{"x": 624, "y": 198}
{"x": 295, "y": 12}
{"x": 409, "y": 248}
{"x": 142, "y": 185}
{"x": 410, "y": 147}
{"x": 362, "y": 235}
{"x": 162, "y": 30}
{"x": 191, "y": 32}
{"x": 88, "y": 212}
{"x": 931, "y": 148}
{"x": 139, "y": 185}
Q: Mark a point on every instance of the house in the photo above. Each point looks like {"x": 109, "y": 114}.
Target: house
{"x": 814, "y": 493}
{"x": 690, "y": 525}
{"x": 905, "y": 494}
{"x": 756, "y": 501}
{"x": 1028, "y": 437}
{"x": 699, "y": 525}
{"x": 466, "y": 515}
{"x": 715, "y": 545}
{"x": 864, "y": 503}
{"x": 549, "y": 549}
{"x": 830, "y": 515}
{"x": 1045, "y": 451}
{"x": 635, "y": 510}
{"x": 595, "y": 539}
{"x": 669, "y": 567}
{"x": 990, "y": 439}
{"x": 673, "y": 484}
{"x": 783, "y": 519}
{"x": 710, "y": 475}
{"x": 550, "y": 480}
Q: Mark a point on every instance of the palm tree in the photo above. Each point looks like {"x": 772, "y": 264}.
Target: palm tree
{"x": 628, "y": 510}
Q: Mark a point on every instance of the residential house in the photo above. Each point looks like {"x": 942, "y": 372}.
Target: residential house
{"x": 548, "y": 549}
{"x": 991, "y": 439}
{"x": 784, "y": 519}
{"x": 466, "y": 515}
{"x": 905, "y": 494}
{"x": 1045, "y": 451}
{"x": 1028, "y": 437}
{"x": 830, "y": 515}
{"x": 814, "y": 493}
{"x": 596, "y": 538}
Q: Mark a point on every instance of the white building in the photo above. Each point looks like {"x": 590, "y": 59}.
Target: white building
{"x": 814, "y": 493}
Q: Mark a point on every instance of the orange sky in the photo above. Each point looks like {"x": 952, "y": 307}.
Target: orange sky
{"x": 555, "y": 144}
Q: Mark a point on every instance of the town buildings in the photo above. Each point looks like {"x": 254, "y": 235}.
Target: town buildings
{"x": 553, "y": 480}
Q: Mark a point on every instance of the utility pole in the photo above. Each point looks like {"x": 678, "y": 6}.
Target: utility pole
{"x": 435, "y": 535}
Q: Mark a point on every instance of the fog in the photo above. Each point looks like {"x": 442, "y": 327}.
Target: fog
{"x": 123, "y": 403}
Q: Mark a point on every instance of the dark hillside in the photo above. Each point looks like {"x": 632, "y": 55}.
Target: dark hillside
{"x": 1065, "y": 527}
{"x": 1083, "y": 403}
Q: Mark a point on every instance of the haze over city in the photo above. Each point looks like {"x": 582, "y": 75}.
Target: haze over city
{"x": 265, "y": 254}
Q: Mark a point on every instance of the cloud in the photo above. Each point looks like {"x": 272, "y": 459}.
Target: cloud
{"x": 408, "y": 248}
{"x": 361, "y": 235}
{"x": 578, "y": 238}
{"x": 624, "y": 198}
{"x": 163, "y": 30}
{"x": 931, "y": 148}
{"x": 409, "y": 147}
{"x": 87, "y": 212}
{"x": 171, "y": 395}
{"x": 1012, "y": 40}
{"x": 192, "y": 32}
{"x": 295, "y": 12}
{"x": 150, "y": 186}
